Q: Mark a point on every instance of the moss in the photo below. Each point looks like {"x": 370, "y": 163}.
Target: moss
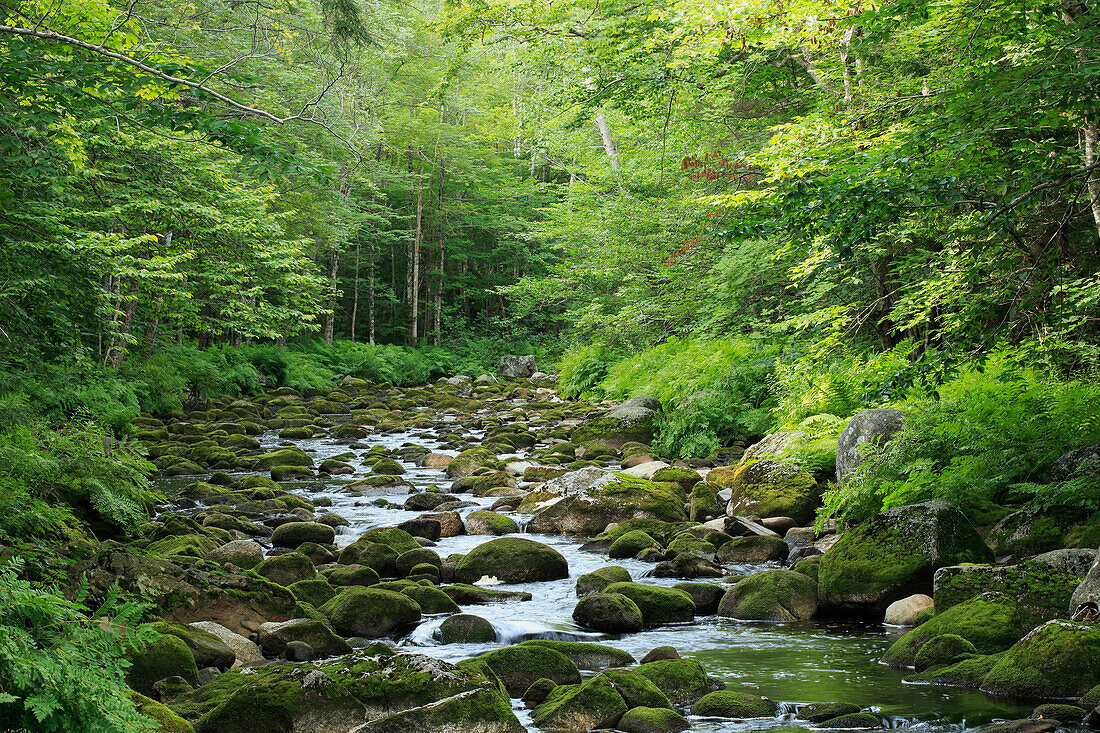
{"x": 207, "y": 649}
{"x": 465, "y": 594}
{"x": 594, "y": 704}
{"x": 585, "y": 654}
{"x": 406, "y": 561}
{"x": 658, "y": 605}
{"x": 630, "y": 544}
{"x": 661, "y": 530}
{"x": 519, "y": 666}
{"x": 1065, "y": 714}
{"x": 370, "y": 612}
{"x": 375, "y": 555}
{"x": 396, "y": 539}
{"x": 185, "y": 545}
{"x": 283, "y": 457}
{"x": 686, "y": 477}
{"x": 599, "y": 579}
{"x": 988, "y": 622}
{"x": 895, "y": 553}
{"x": 942, "y": 650}
{"x": 734, "y": 704}
{"x": 753, "y": 549}
{"x": 808, "y": 566}
{"x": 821, "y": 711}
{"x": 683, "y": 680}
{"x": 431, "y": 600}
{"x": 610, "y": 613}
{"x": 259, "y": 482}
{"x": 512, "y": 560}
{"x": 1058, "y": 660}
{"x": 166, "y": 720}
{"x": 686, "y": 543}
{"x": 466, "y": 628}
{"x": 293, "y": 534}
{"x": 662, "y": 500}
{"x": 1091, "y": 698}
{"x": 487, "y": 522}
{"x": 388, "y": 467}
{"x": 1042, "y": 592}
{"x": 468, "y": 461}
{"x": 774, "y": 595}
{"x": 287, "y": 569}
{"x": 291, "y": 473}
{"x": 164, "y": 656}
{"x": 773, "y": 489}
{"x": 652, "y": 720}
{"x": 315, "y": 591}
{"x": 852, "y": 721}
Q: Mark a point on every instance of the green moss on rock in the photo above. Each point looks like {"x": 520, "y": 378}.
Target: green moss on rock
{"x": 988, "y": 622}
{"x": 599, "y": 579}
{"x": 774, "y": 595}
{"x": 519, "y": 666}
{"x": 1058, "y": 660}
{"x": 683, "y": 681}
{"x": 652, "y": 720}
{"x": 512, "y": 560}
{"x": 371, "y": 612}
{"x": 734, "y": 704}
{"x": 164, "y": 656}
{"x": 659, "y": 605}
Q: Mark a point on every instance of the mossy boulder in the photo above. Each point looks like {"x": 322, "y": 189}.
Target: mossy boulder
{"x": 519, "y": 666}
{"x": 819, "y": 712}
{"x": 164, "y": 719}
{"x": 315, "y": 591}
{"x": 610, "y": 613}
{"x": 630, "y": 544}
{"x": 659, "y": 605}
{"x": 207, "y": 649}
{"x": 380, "y": 558}
{"x": 287, "y": 569}
{"x": 483, "y": 521}
{"x": 164, "y": 656}
{"x": 634, "y": 420}
{"x": 753, "y": 549}
{"x": 592, "y": 498}
{"x": 652, "y": 720}
{"x": 343, "y": 575}
{"x": 989, "y": 622}
{"x": 397, "y": 539}
{"x": 599, "y": 579}
{"x": 942, "y": 650}
{"x": 408, "y": 560}
{"x": 1042, "y": 592}
{"x": 188, "y": 545}
{"x": 465, "y": 628}
{"x": 774, "y": 595}
{"x": 465, "y": 594}
{"x": 581, "y": 707}
{"x": 1063, "y": 713}
{"x": 966, "y": 673}
{"x": 292, "y": 534}
{"x": 734, "y": 704}
{"x": 387, "y": 467}
{"x": 852, "y": 721}
{"x": 431, "y": 599}
{"x": 586, "y": 655}
{"x": 275, "y": 636}
{"x": 282, "y": 457}
{"x": 512, "y": 560}
{"x": 683, "y": 680}
{"x": 371, "y": 612}
{"x": 468, "y": 461}
{"x": 770, "y": 489}
{"x": 706, "y": 596}
{"x": 895, "y": 553}
{"x": 1058, "y": 660}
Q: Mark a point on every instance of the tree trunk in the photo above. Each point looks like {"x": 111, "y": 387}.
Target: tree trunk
{"x": 354, "y": 296}
{"x": 848, "y": 66}
{"x": 330, "y": 316}
{"x": 370, "y": 298}
{"x": 149, "y": 340}
{"x": 442, "y": 260}
{"x": 414, "y": 283}
{"x": 1090, "y": 135}
{"x": 116, "y": 352}
{"x": 608, "y": 141}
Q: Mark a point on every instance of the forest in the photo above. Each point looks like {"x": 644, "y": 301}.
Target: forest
{"x": 264, "y": 269}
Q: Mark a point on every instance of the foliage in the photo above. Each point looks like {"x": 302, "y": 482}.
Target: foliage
{"x": 62, "y": 667}
{"x": 988, "y": 439}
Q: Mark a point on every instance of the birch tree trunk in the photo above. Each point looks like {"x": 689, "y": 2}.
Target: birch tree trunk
{"x": 370, "y": 298}
{"x": 442, "y": 260}
{"x": 608, "y": 141}
{"x": 330, "y": 315}
{"x": 354, "y": 296}
{"x": 414, "y": 282}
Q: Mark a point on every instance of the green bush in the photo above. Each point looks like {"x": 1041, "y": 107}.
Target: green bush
{"x": 61, "y": 670}
{"x": 582, "y": 370}
{"x": 985, "y": 438}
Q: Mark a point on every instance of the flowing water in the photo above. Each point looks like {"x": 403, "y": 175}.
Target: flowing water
{"x": 790, "y": 663}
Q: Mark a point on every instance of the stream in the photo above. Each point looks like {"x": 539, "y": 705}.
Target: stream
{"x": 790, "y": 663}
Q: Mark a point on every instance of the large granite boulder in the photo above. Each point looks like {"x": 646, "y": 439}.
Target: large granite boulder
{"x": 772, "y": 489}
{"x": 870, "y": 426}
{"x": 516, "y": 367}
{"x": 586, "y": 501}
{"x": 895, "y": 554}
{"x": 512, "y": 560}
{"x": 633, "y": 420}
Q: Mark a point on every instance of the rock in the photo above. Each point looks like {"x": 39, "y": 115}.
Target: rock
{"x": 658, "y": 605}
{"x": 409, "y": 559}
{"x": 943, "y": 650}
{"x": 652, "y": 720}
{"x": 1074, "y": 463}
{"x": 1073, "y": 560}
{"x": 610, "y": 613}
{"x": 1086, "y": 596}
{"x": 464, "y": 594}
{"x": 207, "y": 649}
{"x": 779, "y": 525}
{"x": 585, "y": 655}
{"x": 431, "y": 599}
{"x": 371, "y": 612}
{"x": 468, "y": 461}
{"x": 754, "y": 549}
{"x": 645, "y": 467}
{"x": 437, "y": 461}
{"x": 1058, "y": 660}
{"x": 819, "y": 712}
{"x": 464, "y": 628}
{"x": 344, "y": 575}
{"x": 512, "y": 560}
{"x": 242, "y": 553}
{"x": 519, "y": 666}
{"x": 988, "y": 622}
{"x": 151, "y": 661}
{"x": 660, "y": 652}
{"x": 599, "y": 579}
{"x": 315, "y": 591}
{"x": 870, "y": 426}
{"x": 274, "y": 637}
{"x": 683, "y": 680}
{"x": 774, "y": 446}
{"x": 1026, "y": 533}
{"x": 450, "y": 523}
{"x": 1065, "y": 714}
{"x": 287, "y": 569}
{"x": 586, "y": 501}
{"x": 429, "y": 529}
{"x": 537, "y": 693}
{"x": 630, "y": 544}
{"x": 581, "y": 707}
{"x": 516, "y": 367}
{"x": 734, "y": 704}
{"x": 706, "y": 596}
{"x": 1027, "y": 725}
{"x": 902, "y": 613}
{"x": 486, "y": 522}
{"x": 895, "y": 554}
{"x": 170, "y": 687}
{"x": 854, "y": 721}
{"x": 1042, "y": 591}
{"x": 770, "y": 489}
{"x": 282, "y": 457}
{"x": 774, "y": 595}
{"x": 633, "y": 420}
{"x": 166, "y": 721}
{"x": 245, "y": 652}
